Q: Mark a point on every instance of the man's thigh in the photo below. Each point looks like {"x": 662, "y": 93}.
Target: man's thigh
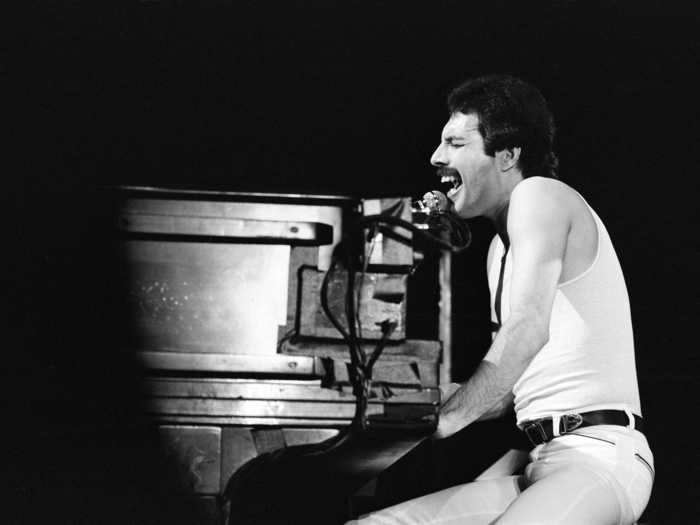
{"x": 570, "y": 495}
{"x": 480, "y": 502}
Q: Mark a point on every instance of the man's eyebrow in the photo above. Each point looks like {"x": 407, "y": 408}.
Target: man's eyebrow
{"x": 454, "y": 136}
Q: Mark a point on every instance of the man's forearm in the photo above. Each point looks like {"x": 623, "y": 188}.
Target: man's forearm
{"x": 512, "y": 350}
{"x": 500, "y": 409}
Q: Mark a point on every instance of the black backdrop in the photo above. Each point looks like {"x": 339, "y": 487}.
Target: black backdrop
{"x": 348, "y": 97}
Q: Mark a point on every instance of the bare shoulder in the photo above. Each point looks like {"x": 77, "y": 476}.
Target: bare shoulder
{"x": 554, "y": 213}
{"x": 543, "y": 189}
{"x": 544, "y": 199}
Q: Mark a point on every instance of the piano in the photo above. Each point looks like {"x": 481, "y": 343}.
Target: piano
{"x": 234, "y": 301}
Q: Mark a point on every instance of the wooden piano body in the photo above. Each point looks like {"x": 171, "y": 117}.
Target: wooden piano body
{"x": 216, "y": 285}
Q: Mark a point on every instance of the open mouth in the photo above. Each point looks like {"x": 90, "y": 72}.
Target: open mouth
{"x": 450, "y": 181}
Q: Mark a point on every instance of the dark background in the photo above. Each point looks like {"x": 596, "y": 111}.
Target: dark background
{"x": 342, "y": 98}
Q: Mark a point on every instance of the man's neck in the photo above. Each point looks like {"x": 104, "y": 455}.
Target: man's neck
{"x": 499, "y": 214}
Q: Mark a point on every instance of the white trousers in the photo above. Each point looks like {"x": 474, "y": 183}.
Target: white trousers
{"x": 596, "y": 475}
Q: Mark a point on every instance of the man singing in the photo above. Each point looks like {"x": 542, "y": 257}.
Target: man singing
{"x": 563, "y": 350}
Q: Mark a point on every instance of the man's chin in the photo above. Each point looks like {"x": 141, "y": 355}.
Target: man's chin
{"x": 462, "y": 214}
{"x": 459, "y": 204}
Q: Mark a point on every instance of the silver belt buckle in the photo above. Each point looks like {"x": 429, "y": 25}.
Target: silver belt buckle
{"x": 569, "y": 422}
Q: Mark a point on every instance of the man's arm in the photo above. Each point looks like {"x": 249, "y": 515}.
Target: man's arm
{"x": 538, "y": 228}
{"x": 501, "y": 408}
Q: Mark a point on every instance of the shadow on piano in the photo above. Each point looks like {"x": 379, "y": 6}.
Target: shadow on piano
{"x": 361, "y": 470}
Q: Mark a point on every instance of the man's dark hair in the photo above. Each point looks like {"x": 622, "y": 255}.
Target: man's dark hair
{"x": 512, "y": 113}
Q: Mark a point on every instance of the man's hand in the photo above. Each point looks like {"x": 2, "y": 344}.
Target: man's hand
{"x": 447, "y": 425}
{"x": 445, "y": 428}
{"x": 447, "y": 390}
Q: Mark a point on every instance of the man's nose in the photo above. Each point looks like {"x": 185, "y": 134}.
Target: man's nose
{"x": 438, "y": 157}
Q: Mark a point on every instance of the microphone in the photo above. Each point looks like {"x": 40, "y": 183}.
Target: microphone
{"x": 434, "y": 202}
{"x": 440, "y": 217}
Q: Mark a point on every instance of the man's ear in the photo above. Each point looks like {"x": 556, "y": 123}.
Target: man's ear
{"x": 507, "y": 159}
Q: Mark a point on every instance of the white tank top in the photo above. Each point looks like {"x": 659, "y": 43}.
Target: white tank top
{"x": 588, "y": 362}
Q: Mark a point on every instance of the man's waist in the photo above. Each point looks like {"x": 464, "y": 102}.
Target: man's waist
{"x": 542, "y": 430}
{"x": 537, "y": 399}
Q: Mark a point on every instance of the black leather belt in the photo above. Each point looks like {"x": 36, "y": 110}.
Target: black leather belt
{"x": 540, "y": 430}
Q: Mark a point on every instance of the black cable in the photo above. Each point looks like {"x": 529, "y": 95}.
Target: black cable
{"x": 371, "y": 236}
{"x": 388, "y": 328}
{"x": 457, "y": 226}
{"x": 360, "y": 368}
{"x": 350, "y": 306}
{"x": 324, "y": 302}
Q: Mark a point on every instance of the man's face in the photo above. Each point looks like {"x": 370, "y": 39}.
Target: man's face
{"x": 462, "y": 162}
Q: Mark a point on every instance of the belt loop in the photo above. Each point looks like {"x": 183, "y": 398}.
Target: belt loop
{"x": 556, "y": 420}
{"x": 630, "y": 417}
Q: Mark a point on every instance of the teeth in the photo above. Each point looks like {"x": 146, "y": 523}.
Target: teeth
{"x": 451, "y": 179}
